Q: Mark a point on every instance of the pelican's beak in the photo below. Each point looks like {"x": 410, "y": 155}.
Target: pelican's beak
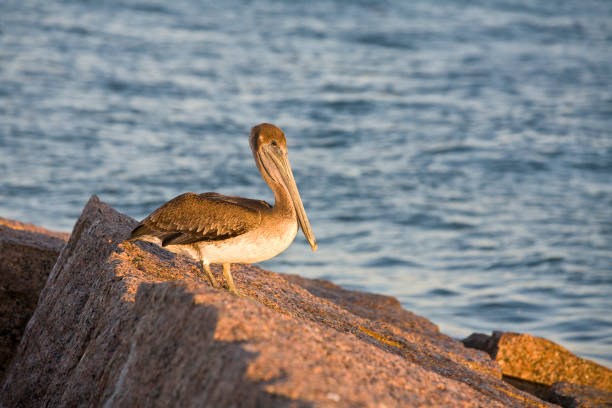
{"x": 281, "y": 162}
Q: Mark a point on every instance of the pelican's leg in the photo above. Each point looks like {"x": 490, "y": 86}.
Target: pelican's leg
{"x": 228, "y": 278}
{"x": 211, "y": 277}
{"x": 206, "y": 267}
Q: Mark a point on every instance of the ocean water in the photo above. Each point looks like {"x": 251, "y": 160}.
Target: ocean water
{"x": 454, "y": 154}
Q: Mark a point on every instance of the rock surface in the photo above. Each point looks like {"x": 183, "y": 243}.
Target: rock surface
{"x": 539, "y": 360}
{"x": 27, "y": 254}
{"x": 579, "y": 396}
{"x": 130, "y": 324}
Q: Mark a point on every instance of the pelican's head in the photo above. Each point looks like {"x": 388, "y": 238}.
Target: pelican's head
{"x": 269, "y": 148}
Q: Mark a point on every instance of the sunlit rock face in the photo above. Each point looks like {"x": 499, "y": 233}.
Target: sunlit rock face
{"x": 546, "y": 369}
{"x": 130, "y": 324}
{"x": 540, "y": 360}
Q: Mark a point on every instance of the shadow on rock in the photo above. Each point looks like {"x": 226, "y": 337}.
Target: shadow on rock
{"x": 175, "y": 352}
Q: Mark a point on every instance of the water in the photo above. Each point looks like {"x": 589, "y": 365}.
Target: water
{"x": 456, "y": 155}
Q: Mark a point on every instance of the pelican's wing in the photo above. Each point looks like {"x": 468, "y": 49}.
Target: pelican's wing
{"x": 191, "y": 218}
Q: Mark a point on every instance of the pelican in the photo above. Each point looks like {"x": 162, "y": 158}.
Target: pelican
{"x": 218, "y": 229}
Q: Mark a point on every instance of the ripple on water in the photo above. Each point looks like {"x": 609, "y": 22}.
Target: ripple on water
{"x": 582, "y": 325}
{"x": 383, "y": 39}
{"x": 388, "y": 261}
{"x": 442, "y": 292}
{"x": 430, "y": 221}
{"x": 509, "y": 311}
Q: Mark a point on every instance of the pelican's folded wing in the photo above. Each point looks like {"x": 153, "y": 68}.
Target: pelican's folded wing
{"x": 192, "y": 217}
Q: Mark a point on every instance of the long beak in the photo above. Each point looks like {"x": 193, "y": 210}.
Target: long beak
{"x": 281, "y": 161}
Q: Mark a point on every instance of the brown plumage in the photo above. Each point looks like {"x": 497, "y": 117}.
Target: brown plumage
{"x": 215, "y": 228}
{"x": 191, "y": 218}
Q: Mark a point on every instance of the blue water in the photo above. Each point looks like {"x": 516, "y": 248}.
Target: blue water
{"x": 456, "y": 155}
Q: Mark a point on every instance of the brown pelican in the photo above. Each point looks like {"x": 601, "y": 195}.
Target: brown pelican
{"x": 218, "y": 229}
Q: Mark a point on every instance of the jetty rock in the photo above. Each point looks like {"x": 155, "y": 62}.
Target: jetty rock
{"x": 27, "y": 254}
{"x": 546, "y": 369}
{"x": 570, "y": 395}
{"x": 122, "y": 324}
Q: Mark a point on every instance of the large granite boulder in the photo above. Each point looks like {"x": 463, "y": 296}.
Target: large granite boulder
{"x": 544, "y": 368}
{"x": 27, "y": 254}
{"x": 540, "y": 360}
{"x": 130, "y": 324}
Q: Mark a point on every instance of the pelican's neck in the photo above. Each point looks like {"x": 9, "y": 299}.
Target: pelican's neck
{"x": 283, "y": 204}
{"x": 282, "y": 200}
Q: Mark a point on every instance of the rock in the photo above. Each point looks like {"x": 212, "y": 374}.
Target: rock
{"x": 130, "y": 324}
{"x": 24, "y": 226}
{"x": 579, "y": 396}
{"x": 484, "y": 342}
{"x": 27, "y": 254}
{"x": 539, "y": 360}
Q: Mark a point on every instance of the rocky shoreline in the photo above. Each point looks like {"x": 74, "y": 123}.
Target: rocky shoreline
{"x": 92, "y": 320}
